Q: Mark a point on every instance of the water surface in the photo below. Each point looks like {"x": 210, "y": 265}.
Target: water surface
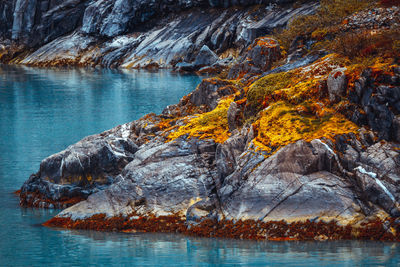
{"x": 42, "y": 111}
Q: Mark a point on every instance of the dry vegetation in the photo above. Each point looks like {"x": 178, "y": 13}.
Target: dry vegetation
{"x": 330, "y": 12}
{"x": 366, "y": 43}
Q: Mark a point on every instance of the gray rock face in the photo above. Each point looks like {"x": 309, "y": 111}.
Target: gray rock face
{"x": 296, "y": 183}
{"x": 37, "y": 22}
{"x": 199, "y": 179}
{"x": 210, "y": 91}
{"x": 6, "y": 18}
{"x": 232, "y": 114}
{"x": 337, "y": 84}
{"x": 205, "y": 57}
{"x": 258, "y": 59}
{"x": 24, "y": 16}
{"x": 380, "y": 100}
{"x": 83, "y": 168}
{"x": 127, "y": 33}
{"x": 163, "y": 179}
{"x": 120, "y": 16}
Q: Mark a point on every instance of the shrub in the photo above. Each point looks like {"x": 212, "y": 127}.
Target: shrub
{"x": 329, "y": 13}
{"x": 388, "y": 3}
{"x": 368, "y": 43}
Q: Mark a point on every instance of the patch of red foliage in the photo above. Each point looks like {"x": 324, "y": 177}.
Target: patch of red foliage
{"x": 38, "y": 200}
{"x": 247, "y": 229}
{"x": 389, "y": 3}
{"x": 337, "y": 74}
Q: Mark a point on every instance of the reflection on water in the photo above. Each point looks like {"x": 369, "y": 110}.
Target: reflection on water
{"x": 166, "y": 248}
{"x": 45, "y": 110}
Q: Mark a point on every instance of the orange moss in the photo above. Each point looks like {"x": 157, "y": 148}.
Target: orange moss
{"x": 164, "y": 124}
{"x": 263, "y": 41}
{"x": 379, "y": 66}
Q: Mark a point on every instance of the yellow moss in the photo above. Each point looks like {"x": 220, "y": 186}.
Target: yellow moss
{"x": 301, "y": 91}
{"x": 293, "y": 86}
{"x": 282, "y": 124}
{"x": 295, "y": 107}
{"x": 210, "y": 125}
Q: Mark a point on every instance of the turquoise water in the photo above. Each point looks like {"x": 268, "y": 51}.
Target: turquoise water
{"x": 45, "y": 110}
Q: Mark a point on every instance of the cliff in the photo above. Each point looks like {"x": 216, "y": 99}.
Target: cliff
{"x": 297, "y": 139}
{"x": 135, "y": 34}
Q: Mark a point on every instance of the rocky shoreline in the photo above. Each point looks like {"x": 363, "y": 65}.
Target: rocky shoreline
{"x": 298, "y": 142}
{"x": 376, "y": 230}
{"x": 138, "y": 34}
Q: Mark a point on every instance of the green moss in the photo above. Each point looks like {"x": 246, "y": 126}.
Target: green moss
{"x": 267, "y": 85}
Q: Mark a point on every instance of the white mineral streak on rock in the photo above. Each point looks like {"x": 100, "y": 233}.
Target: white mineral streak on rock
{"x": 381, "y": 185}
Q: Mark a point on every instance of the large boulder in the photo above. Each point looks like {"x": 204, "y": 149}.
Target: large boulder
{"x": 205, "y": 57}
{"x": 209, "y": 91}
{"x": 296, "y": 183}
{"x": 337, "y": 84}
{"x": 163, "y": 179}
{"x": 260, "y": 56}
{"x": 83, "y": 168}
